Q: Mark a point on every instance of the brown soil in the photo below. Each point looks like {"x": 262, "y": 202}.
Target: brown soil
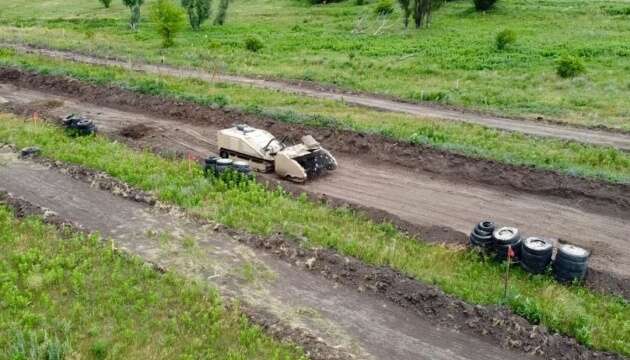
{"x": 603, "y": 276}
{"x": 495, "y": 325}
{"x": 135, "y": 132}
{"x": 590, "y": 194}
{"x": 314, "y": 347}
{"x": 536, "y": 125}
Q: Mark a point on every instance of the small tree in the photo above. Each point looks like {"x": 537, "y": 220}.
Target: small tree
{"x": 168, "y": 19}
{"x": 134, "y": 6}
{"x": 405, "y": 5}
{"x": 421, "y": 10}
{"x": 198, "y": 12}
{"x": 222, "y": 12}
{"x": 106, "y": 3}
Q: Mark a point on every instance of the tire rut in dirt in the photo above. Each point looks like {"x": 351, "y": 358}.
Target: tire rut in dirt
{"x": 589, "y": 194}
{"x": 598, "y": 279}
{"x": 496, "y": 325}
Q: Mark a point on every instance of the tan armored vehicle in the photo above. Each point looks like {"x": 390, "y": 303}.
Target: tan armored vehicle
{"x": 265, "y": 153}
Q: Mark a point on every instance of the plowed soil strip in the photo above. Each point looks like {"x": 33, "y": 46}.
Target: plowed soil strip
{"x": 597, "y": 137}
{"x": 363, "y": 325}
{"x": 494, "y": 325}
{"x": 415, "y": 197}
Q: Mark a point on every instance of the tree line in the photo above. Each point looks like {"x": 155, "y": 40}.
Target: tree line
{"x": 169, "y": 18}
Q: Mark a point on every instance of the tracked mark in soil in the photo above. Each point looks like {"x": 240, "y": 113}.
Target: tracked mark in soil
{"x": 414, "y": 200}
{"x": 360, "y": 324}
{"x": 550, "y": 128}
{"x": 494, "y": 325}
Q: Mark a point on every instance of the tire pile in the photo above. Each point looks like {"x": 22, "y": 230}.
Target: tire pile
{"x": 534, "y": 254}
{"x": 79, "y": 125}
{"x": 219, "y": 165}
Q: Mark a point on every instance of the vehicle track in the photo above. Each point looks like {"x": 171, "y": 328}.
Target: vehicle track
{"x": 618, "y": 140}
{"x": 365, "y": 326}
{"x": 414, "y": 196}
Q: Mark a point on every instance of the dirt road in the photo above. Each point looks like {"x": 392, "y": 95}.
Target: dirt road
{"x": 537, "y": 128}
{"x": 362, "y": 325}
{"x": 414, "y": 196}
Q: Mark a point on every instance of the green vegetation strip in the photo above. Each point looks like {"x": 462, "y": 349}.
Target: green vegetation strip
{"x": 594, "y": 319}
{"x": 66, "y": 295}
{"x": 575, "y": 159}
{"x": 455, "y": 61}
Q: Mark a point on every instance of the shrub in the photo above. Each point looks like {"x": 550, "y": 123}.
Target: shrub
{"x": 198, "y": 12}
{"x": 505, "y": 38}
{"x": 222, "y": 12}
{"x": 168, "y": 19}
{"x": 359, "y": 2}
{"x": 106, "y": 3}
{"x": 134, "y": 6}
{"x": 384, "y": 7}
{"x": 483, "y": 5}
{"x": 421, "y": 10}
{"x": 569, "y": 67}
{"x": 253, "y": 43}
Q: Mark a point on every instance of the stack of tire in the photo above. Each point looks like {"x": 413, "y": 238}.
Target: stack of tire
{"x": 481, "y": 236}
{"x": 79, "y": 125}
{"x": 503, "y": 239}
{"x": 571, "y": 263}
{"x": 536, "y": 255}
{"x": 219, "y": 165}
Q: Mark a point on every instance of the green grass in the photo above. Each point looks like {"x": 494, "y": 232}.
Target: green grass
{"x": 513, "y": 148}
{"x": 594, "y": 319}
{"x": 65, "y": 295}
{"x": 455, "y": 61}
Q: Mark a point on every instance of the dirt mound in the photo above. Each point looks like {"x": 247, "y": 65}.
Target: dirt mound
{"x": 136, "y": 131}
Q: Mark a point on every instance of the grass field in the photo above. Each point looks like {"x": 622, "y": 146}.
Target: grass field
{"x": 572, "y": 158}
{"x": 455, "y": 61}
{"x": 594, "y": 319}
{"x": 67, "y": 296}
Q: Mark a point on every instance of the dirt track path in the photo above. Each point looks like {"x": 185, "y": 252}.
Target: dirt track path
{"x": 417, "y": 197}
{"x": 360, "y": 324}
{"x": 566, "y": 132}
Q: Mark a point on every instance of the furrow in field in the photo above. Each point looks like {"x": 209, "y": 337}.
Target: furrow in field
{"x": 536, "y": 128}
{"x": 417, "y": 197}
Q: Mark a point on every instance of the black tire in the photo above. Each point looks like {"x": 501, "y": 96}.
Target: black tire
{"x": 570, "y": 266}
{"x": 224, "y": 154}
{"x": 479, "y": 232}
{"x": 537, "y": 246}
{"x": 534, "y": 269}
{"x": 481, "y": 245}
{"x": 535, "y": 258}
{"x": 566, "y": 276}
{"x": 506, "y": 236}
{"x": 486, "y": 226}
{"x": 485, "y": 239}
{"x": 572, "y": 253}
{"x": 534, "y": 263}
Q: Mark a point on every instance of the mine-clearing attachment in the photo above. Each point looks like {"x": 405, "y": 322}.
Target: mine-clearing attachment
{"x": 264, "y": 152}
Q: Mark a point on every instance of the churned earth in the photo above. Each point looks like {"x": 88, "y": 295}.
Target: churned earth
{"x": 340, "y": 307}
{"x": 440, "y": 195}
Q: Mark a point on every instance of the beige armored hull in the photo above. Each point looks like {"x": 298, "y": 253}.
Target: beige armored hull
{"x": 265, "y": 153}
